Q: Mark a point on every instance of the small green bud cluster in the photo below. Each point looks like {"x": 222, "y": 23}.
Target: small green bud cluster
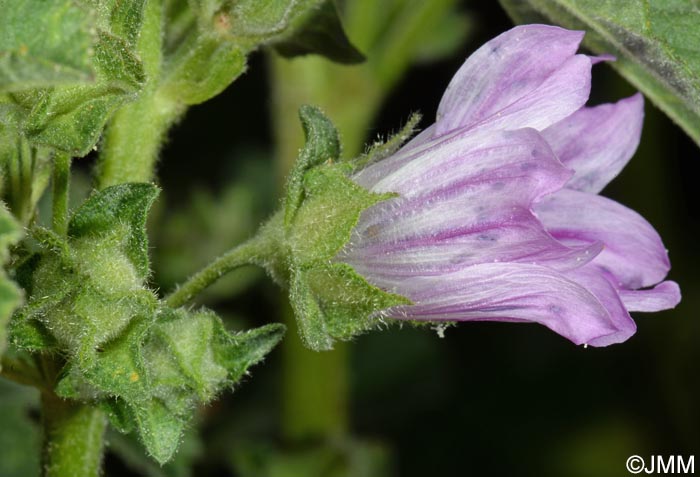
{"x": 147, "y": 364}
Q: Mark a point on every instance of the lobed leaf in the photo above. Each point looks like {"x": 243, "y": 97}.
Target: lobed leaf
{"x": 124, "y": 204}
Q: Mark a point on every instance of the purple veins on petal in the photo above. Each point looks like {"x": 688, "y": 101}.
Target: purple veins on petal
{"x": 511, "y": 292}
{"x": 633, "y": 253}
{"x": 468, "y": 160}
{"x": 597, "y": 142}
{"x": 504, "y": 71}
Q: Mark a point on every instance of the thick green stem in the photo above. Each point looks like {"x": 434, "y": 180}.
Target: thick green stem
{"x": 133, "y": 140}
{"x": 73, "y": 438}
{"x": 135, "y": 133}
{"x": 315, "y": 387}
{"x": 61, "y": 183}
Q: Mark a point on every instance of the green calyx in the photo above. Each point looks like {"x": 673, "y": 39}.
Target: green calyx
{"x": 330, "y": 300}
{"x": 147, "y": 364}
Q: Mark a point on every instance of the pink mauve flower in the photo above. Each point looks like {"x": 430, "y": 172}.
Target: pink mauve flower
{"x": 499, "y": 216}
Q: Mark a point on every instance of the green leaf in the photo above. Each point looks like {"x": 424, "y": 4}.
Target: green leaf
{"x": 322, "y": 144}
{"x": 10, "y": 295}
{"x": 204, "y": 69}
{"x": 188, "y": 369}
{"x": 68, "y": 111}
{"x": 118, "y": 64}
{"x": 87, "y": 289}
{"x": 656, "y": 42}
{"x": 321, "y": 32}
{"x": 121, "y": 205}
{"x": 254, "y": 22}
{"x": 122, "y": 19}
{"x": 310, "y": 320}
{"x": 160, "y": 429}
{"x": 239, "y": 351}
{"x": 350, "y": 305}
{"x": 70, "y": 119}
{"x": 44, "y": 43}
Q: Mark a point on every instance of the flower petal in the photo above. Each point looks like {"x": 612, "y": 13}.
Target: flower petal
{"x": 664, "y": 296}
{"x": 470, "y": 159}
{"x": 633, "y": 251}
{"x": 518, "y": 238}
{"x": 597, "y": 142}
{"x": 596, "y": 282}
{"x": 465, "y": 201}
{"x": 528, "y": 69}
{"x": 508, "y": 292}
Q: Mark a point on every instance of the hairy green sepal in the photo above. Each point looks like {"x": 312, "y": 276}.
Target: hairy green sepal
{"x": 323, "y": 205}
{"x": 147, "y": 364}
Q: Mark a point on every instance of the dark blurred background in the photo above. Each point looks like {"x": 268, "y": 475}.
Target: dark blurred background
{"x": 488, "y": 398}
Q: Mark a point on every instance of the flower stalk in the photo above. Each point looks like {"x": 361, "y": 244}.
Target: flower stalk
{"x": 259, "y": 250}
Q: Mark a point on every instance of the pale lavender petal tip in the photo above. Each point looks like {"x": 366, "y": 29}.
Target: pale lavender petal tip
{"x": 664, "y": 296}
{"x": 508, "y": 70}
{"x": 598, "y": 142}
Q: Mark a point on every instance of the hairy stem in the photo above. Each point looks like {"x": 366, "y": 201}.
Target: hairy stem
{"x": 135, "y": 133}
{"x": 73, "y": 438}
{"x": 259, "y": 250}
{"x": 61, "y": 184}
